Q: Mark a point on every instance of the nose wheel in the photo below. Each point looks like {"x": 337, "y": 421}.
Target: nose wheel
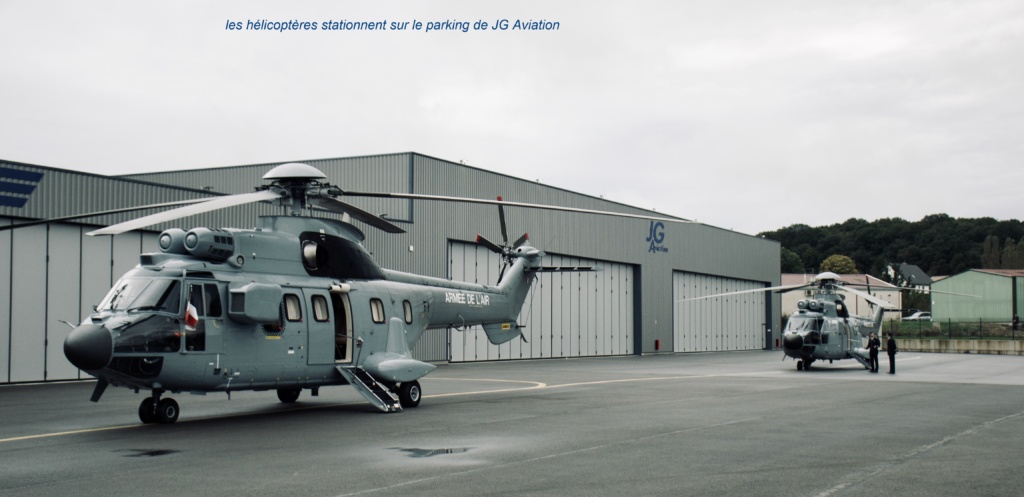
{"x": 804, "y": 365}
{"x": 156, "y": 410}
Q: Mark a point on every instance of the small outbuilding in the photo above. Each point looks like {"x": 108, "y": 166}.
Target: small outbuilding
{"x": 989, "y": 295}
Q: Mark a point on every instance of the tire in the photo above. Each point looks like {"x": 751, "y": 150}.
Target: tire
{"x": 288, "y": 395}
{"x": 167, "y": 411}
{"x": 146, "y": 412}
{"x": 409, "y": 394}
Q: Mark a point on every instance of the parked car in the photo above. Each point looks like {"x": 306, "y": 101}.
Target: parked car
{"x": 919, "y": 316}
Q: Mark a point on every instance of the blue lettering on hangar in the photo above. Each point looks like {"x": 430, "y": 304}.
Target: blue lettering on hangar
{"x": 656, "y": 236}
{"x": 16, "y": 185}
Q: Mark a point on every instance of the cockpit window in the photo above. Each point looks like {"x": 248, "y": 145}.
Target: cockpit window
{"x": 150, "y": 294}
{"x": 803, "y": 323}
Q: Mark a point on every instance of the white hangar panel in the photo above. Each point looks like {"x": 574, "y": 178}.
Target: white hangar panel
{"x": 97, "y": 268}
{"x": 570, "y": 314}
{"x": 28, "y": 296}
{"x": 5, "y": 304}
{"x": 728, "y": 322}
{"x": 59, "y": 275}
{"x": 63, "y": 276}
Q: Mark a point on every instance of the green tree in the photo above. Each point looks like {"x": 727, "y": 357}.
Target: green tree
{"x": 839, "y": 264}
{"x": 917, "y": 300}
{"x": 938, "y": 244}
{"x": 790, "y": 261}
{"x": 1013, "y": 254}
{"x": 991, "y": 254}
{"x": 1009, "y": 260}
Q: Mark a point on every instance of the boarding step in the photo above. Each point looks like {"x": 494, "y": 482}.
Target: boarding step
{"x": 377, "y": 393}
{"x": 856, "y": 354}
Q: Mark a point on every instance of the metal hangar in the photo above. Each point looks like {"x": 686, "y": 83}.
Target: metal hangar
{"x": 637, "y": 302}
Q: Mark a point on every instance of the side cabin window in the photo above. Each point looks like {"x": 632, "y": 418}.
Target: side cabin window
{"x": 841, "y": 310}
{"x": 205, "y": 299}
{"x": 407, "y": 306}
{"x": 377, "y": 310}
{"x": 292, "y": 307}
{"x": 320, "y": 313}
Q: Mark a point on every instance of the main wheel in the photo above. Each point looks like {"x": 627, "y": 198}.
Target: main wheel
{"x": 146, "y": 412}
{"x": 167, "y": 411}
{"x": 799, "y": 365}
{"x": 288, "y": 395}
{"x": 409, "y": 394}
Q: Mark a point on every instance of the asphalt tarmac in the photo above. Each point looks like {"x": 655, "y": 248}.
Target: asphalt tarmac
{"x": 737, "y": 423}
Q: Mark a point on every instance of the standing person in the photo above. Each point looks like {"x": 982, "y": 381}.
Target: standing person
{"x": 873, "y": 344}
{"x": 890, "y": 347}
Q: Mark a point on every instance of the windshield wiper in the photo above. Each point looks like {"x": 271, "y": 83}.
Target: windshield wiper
{"x": 148, "y": 308}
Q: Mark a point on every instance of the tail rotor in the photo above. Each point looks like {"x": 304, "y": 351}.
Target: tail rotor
{"x": 504, "y": 250}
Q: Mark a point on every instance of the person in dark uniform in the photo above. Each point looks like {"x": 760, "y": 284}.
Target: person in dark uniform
{"x": 873, "y": 344}
{"x": 890, "y": 347}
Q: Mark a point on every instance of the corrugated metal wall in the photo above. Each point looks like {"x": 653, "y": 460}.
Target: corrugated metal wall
{"x": 994, "y": 300}
{"x": 729, "y": 322}
{"x": 58, "y": 193}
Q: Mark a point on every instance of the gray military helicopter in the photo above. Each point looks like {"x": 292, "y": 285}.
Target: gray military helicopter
{"x": 822, "y": 328}
{"x": 296, "y": 303}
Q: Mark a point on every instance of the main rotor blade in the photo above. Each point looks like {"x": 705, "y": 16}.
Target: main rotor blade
{"x": 467, "y": 200}
{"x": 190, "y": 210}
{"x": 929, "y": 290}
{"x": 561, "y": 269}
{"x": 376, "y": 221}
{"x": 870, "y": 298}
{"x": 780, "y": 289}
{"x": 906, "y": 289}
{"x": 521, "y": 240}
{"x": 103, "y": 213}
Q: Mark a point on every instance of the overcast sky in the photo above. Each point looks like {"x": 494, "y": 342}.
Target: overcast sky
{"x": 745, "y": 114}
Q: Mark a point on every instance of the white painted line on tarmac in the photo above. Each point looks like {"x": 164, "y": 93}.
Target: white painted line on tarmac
{"x": 528, "y": 386}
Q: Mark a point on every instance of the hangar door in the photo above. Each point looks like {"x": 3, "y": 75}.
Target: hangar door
{"x": 565, "y": 315}
{"x": 731, "y": 322}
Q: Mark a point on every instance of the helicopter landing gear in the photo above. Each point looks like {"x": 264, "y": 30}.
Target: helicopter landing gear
{"x": 799, "y": 365}
{"x": 147, "y": 411}
{"x": 409, "y": 393}
{"x": 156, "y": 410}
{"x": 288, "y": 395}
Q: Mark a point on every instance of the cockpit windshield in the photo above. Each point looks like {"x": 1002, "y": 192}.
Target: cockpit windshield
{"x": 151, "y": 294}
{"x": 804, "y": 323}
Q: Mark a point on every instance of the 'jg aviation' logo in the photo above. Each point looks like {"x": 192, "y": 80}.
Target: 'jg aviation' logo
{"x": 656, "y": 237}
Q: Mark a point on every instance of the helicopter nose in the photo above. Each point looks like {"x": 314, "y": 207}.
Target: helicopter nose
{"x": 89, "y": 347}
{"x": 793, "y": 342}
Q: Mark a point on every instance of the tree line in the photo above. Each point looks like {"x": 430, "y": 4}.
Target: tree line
{"x": 938, "y": 244}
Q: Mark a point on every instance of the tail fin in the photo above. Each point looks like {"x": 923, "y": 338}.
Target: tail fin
{"x": 516, "y": 284}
